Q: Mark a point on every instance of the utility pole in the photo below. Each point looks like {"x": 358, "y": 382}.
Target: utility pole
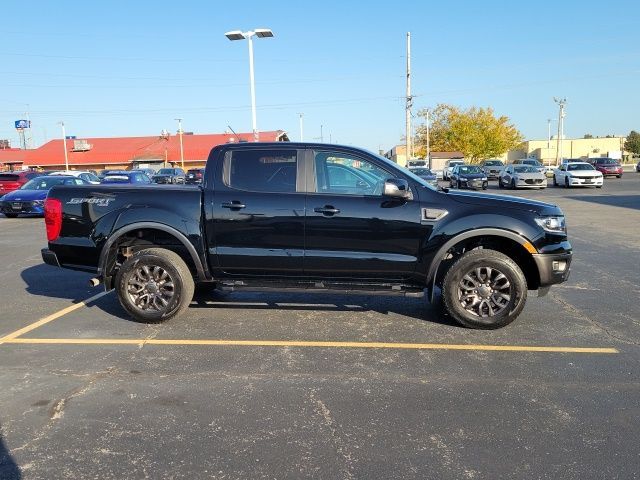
{"x": 561, "y": 103}
{"x": 428, "y": 140}
{"x": 408, "y": 139}
{"x": 179, "y": 120}
{"x": 548, "y": 133}
{"x": 300, "y": 115}
{"x": 321, "y": 135}
{"x": 64, "y": 144}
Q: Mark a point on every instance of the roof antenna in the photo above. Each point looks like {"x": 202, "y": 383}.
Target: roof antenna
{"x": 234, "y": 132}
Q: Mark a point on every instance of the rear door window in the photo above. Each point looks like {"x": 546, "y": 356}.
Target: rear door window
{"x": 262, "y": 170}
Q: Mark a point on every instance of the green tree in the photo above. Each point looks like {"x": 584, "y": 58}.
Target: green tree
{"x": 587, "y": 135}
{"x": 476, "y": 132}
{"x": 632, "y": 144}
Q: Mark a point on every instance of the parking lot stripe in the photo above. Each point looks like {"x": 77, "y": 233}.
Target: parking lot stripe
{"x": 300, "y": 343}
{"x": 51, "y": 317}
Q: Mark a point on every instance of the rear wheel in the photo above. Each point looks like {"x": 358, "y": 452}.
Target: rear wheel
{"x": 11, "y": 215}
{"x": 484, "y": 289}
{"x": 154, "y": 285}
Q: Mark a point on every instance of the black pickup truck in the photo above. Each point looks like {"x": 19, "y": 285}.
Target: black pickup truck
{"x": 313, "y": 218}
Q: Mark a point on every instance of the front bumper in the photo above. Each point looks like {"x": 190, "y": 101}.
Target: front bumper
{"x": 587, "y": 182}
{"x": 553, "y": 268}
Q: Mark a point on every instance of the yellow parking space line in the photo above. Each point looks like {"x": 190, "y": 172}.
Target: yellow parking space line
{"x": 50, "y": 318}
{"x": 300, "y": 343}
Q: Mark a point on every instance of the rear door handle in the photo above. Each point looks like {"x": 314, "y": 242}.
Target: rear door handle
{"x": 326, "y": 210}
{"x": 234, "y": 205}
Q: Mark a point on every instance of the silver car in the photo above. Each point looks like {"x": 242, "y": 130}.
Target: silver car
{"x": 522, "y": 176}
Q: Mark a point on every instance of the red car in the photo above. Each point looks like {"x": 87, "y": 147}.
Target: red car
{"x": 10, "y": 181}
{"x": 608, "y": 167}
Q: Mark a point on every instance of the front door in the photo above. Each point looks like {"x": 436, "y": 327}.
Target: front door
{"x": 352, "y": 230}
{"x": 257, "y": 213}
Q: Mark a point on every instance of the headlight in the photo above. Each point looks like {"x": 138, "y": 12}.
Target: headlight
{"x": 552, "y": 224}
{"x": 484, "y": 179}
{"x": 38, "y": 202}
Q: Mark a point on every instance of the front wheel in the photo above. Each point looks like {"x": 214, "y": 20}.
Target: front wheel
{"x": 566, "y": 182}
{"x": 555, "y": 181}
{"x": 154, "y": 285}
{"x": 500, "y": 183}
{"x": 484, "y": 289}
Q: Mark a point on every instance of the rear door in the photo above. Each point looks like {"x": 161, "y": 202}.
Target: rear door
{"x": 256, "y": 224}
{"x": 352, "y": 230}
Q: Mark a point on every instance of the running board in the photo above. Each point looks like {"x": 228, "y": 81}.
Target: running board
{"x": 323, "y": 287}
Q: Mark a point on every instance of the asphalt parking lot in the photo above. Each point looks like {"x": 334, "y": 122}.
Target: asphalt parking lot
{"x": 310, "y": 386}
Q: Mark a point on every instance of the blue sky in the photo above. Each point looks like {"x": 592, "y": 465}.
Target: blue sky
{"x": 123, "y": 68}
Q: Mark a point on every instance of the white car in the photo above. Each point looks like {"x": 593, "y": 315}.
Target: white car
{"x": 577, "y": 174}
{"x": 448, "y": 167}
{"x": 86, "y": 176}
{"x": 521, "y": 176}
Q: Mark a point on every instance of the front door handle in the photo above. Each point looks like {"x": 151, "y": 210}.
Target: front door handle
{"x": 326, "y": 210}
{"x": 234, "y": 205}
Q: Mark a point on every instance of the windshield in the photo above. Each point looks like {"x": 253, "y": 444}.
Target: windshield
{"x": 607, "y": 161}
{"x": 166, "y": 171}
{"x": 579, "y": 166}
{"x": 531, "y": 162}
{"x": 45, "y": 183}
{"x": 493, "y": 163}
{"x": 453, "y": 163}
{"x": 421, "y": 171}
{"x": 469, "y": 169}
{"x": 525, "y": 169}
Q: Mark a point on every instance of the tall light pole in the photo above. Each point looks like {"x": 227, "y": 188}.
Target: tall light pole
{"x": 64, "y": 144}
{"x": 561, "y": 103}
{"x": 548, "y": 133}
{"x": 300, "y": 115}
{"x": 238, "y": 35}
{"x": 179, "y": 120}
{"x": 409, "y": 102}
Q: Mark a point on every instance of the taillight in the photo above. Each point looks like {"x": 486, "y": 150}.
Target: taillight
{"x": 53, "y": 218}
{"x": 199, "y": 175}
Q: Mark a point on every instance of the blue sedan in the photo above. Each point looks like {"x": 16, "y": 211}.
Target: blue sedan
{"x": 29, "y": 199}
{"x": 126, "y": 177}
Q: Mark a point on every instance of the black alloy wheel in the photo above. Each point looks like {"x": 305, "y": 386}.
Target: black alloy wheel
{"x": 154, "y": 285}
{"x": 484, "y": 289}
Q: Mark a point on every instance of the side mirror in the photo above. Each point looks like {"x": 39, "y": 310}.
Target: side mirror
{"x": 397, "y": 188}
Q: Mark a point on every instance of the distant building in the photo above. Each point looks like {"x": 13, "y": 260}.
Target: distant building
{"x": 439, "y": 159}
{"x": 398, "y": 154}
{"x": 126, "y": 152}
{"x": 545, "y": 151}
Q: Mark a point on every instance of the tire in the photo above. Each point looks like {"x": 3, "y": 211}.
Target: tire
{"x": 500, "y": 183}
{"x": 458, "y": 185}
{"x": 474, "y": 265}
{"x": 598, "y": 186}
{"x": 619, "y": 176}
{"x": 513, "y": 184}
{"x": 566, "y": 182}
{"x": 133, "y": 273}
{"x": 555, "y": 181}
{"x": 11, "y": 215}
{"x": 485, "y": 185}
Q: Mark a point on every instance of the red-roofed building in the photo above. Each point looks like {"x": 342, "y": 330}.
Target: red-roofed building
{"x": 129, "y": 152}
{"x": 11, "y": 158}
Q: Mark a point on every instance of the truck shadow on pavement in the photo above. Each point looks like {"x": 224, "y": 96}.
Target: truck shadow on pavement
{"x": 624, "y": 201}
{"x": 8, "y": 467}
{"x": 46, "y": 281}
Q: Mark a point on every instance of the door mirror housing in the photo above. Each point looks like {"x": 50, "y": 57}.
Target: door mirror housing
{"x": 397, "y": 188}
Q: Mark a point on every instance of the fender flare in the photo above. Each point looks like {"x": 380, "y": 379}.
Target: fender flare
{"x": 200, "y": 269}
{"x": 479, "y": 232}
